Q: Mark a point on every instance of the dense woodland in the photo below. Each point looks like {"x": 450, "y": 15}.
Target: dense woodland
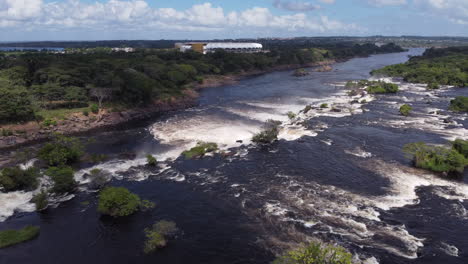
{"x": 404, "y": 41}
{"x": 32, "y": 83}
{"x": 435, "y": 67}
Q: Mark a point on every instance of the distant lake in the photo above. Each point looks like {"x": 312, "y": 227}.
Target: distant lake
{"x": 30, "y": 48}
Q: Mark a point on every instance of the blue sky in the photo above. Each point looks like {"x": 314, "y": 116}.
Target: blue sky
{"x": 208, "y": 19}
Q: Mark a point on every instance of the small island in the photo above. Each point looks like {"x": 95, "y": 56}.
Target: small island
{"x": 300, "y": 73}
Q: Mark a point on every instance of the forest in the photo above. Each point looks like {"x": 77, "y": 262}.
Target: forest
{"x": 32, "y": 83}
{"x": 448, "y": 66}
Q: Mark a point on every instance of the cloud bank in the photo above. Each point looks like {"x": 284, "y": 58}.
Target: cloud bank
{"x": 110, "y": 19}
{"x": 138, "y": 15}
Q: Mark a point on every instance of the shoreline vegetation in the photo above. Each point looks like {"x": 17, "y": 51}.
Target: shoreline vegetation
{"x": 47, "y": 93}
{"x": 447, "y": 66}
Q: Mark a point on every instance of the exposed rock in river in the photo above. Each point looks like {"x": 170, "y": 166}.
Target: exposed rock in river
{"x": 300, "y": 73}
{"x": 324, "y": 68}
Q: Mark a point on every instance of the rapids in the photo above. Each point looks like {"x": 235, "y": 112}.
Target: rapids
{"x": 337, "y": 176}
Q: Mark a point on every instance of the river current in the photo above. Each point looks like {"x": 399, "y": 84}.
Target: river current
{"x": 336, "y": 174}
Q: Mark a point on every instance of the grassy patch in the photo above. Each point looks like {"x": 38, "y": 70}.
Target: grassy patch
{"x": 324, "y": 105}
{"x": 13, "y": 237}
{"x": 61, "y": 113}
{"x": 200, "y": 150}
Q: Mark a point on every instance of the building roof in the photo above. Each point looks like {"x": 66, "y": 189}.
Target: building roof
{"x": 233, "y": 45}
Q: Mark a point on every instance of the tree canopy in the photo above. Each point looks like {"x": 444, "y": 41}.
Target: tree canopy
{"x": 447, "y": 66}
{"x": 34, "y": 81}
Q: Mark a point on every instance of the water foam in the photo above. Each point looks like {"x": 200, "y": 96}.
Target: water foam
{"x": 15, "y": 202}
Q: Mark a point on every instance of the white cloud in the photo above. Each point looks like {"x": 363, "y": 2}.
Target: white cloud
{"x": 137, "y": 15}
{"x": 296, "y": 6}
{"x": 386, "y": 2}
{"x": 454, "y": 10}
{"x": 206, "y": 14}
{"x": 13, "y": 12}
{"x": 327, "y": 1}
{"x": 19, "y": 9}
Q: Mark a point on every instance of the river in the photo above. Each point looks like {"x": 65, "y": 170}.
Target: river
{"x": 338, "y": 176}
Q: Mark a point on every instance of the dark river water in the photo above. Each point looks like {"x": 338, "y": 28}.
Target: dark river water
{"x": 338, "y": 176}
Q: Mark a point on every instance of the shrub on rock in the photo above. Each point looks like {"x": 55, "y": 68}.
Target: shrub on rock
{"x": 118, "y": 201}
{"x": 459, "y": 104}
{"x": 316, "y": 253}
{"x": 15, "y": 178}
{"x": 63, "y": 179}
{"x": 405, "y": 109}
{"x": 435, "y": 158}
{"x": 269, "y": 134}
{"x": 157, "y": 235}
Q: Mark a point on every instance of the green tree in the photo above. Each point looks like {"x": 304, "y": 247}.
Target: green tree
{"x": 435, "y": 158}
{"x": 136, "y": 89}
{"x": 62, "y": 151}
{"x": 63, "y": 179}
{"x": 15, "y": 178}
{"x": 16, "y": 105}
{"x": 459, "y": 104}
{"x": 461, "y": 146}
{"x": 433, "y": 86}
{"x": 118, "y": 201}
{"x": 41, "y": 200}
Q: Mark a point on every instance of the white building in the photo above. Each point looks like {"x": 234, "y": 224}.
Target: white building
{"x": 208, "y": 47}
{"x": 123, "y": 49}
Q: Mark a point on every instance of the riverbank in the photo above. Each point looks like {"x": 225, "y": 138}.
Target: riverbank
{"x": 17, "y": 135}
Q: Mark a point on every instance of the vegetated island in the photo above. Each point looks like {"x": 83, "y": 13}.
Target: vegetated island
{"x": 448, "y": 161}
{"x": 46, "y": 92}
{"x": 448, "y": 66}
